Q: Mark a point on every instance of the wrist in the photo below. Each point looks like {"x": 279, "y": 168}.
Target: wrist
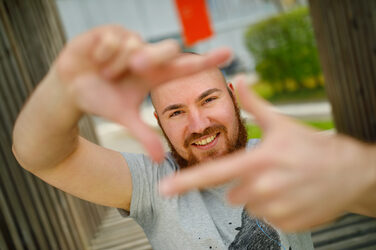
{"x": 63, "y": 96}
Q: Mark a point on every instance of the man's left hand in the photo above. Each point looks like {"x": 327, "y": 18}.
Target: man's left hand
{"x": 296, "y": 178}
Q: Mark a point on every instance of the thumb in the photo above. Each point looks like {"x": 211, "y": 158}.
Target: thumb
{"x": 145, "y": 135}
{"x": 250, "y": 102}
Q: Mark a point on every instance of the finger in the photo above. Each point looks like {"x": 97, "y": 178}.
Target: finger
{"x": 287, "y": 208}
{"x": 288, "y": 219}
{"x": 121, "y": 62}
{"x": 209, "y": 174}
{"x": 255, "y": 189}
{"x": 85, "y": 43}
{"x": 188, "y": 64}
{"x": 145, "y": 135}
{"x": 155, "y": 54}
{"x": 259, "y": 108}
{"x": 107, "y": 46}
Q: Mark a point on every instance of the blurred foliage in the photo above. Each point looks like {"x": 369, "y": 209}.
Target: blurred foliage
{"x": 285, "y": 52}
{"x": 268, "y": 91}
{"x": 254, "y": 131}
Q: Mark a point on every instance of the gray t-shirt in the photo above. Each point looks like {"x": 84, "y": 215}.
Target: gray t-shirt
{"x": 197, "y": 219}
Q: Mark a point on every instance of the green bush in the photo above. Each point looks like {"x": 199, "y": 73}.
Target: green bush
{"x": 285, "y": 51}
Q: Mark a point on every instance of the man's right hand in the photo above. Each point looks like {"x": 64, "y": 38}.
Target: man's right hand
{"x": 109, "y": 71}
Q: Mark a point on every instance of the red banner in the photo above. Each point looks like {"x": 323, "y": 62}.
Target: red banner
{"x": 194, "y": 19}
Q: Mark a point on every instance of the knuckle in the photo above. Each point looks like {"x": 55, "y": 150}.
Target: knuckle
{"x": 64, "y": 65}
{"x": 111, "y": 42}
{"x": 132, "y": 43}
{"x": 264, "y": 187}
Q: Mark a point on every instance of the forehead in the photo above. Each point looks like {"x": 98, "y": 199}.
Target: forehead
{"x": 187, "y": 89}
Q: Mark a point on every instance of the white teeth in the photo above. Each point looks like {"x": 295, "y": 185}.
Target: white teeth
{"x": 206, "y": 141}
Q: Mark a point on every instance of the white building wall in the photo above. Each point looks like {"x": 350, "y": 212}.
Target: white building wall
{"x": 157, "y": 19}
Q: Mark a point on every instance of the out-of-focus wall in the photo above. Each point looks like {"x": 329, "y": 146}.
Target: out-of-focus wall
{"x": 157, "y": 19}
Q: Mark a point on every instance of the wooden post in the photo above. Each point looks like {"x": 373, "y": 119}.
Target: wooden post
{"x": 346, "y": 37}
{"x": 345, "y": 32}
{"x": 33, "y": 214}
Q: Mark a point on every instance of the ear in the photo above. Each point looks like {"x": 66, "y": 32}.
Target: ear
{"x": 156, "y": 115}
{"x": 230, "y": 86}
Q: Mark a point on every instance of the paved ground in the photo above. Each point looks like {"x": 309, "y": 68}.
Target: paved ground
{"x": 117, "y": 233}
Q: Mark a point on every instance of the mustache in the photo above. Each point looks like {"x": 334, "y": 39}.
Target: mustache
{"x": 209, "y": 130}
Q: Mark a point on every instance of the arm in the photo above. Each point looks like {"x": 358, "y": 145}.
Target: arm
{"x": 296, "y": 178}
{"x": 107, "y": 71}
{"x": 46, "y": 142}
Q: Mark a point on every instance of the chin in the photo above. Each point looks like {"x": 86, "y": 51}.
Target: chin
{"x": 211, "y": 155}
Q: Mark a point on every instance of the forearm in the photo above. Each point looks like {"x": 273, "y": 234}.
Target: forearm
{"x": 46, "y": 131}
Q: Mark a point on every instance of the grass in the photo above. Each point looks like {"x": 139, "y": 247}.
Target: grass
{"x": 304, "y": 95}
{"x": 321, "y": 125}
{"x": 300, "y": 95}
{"x": 254, "y": 131}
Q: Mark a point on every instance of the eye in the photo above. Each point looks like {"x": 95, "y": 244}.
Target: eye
{"x": 175, "y": 113}
{"x": 207, "y": 100}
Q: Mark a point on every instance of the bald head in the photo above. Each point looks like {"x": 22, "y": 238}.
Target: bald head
{"x": 177, "y": 86}
{"x": 199, "y": 117}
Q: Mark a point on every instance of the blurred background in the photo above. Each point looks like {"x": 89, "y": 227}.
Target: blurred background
{"x": 273, "y": 43}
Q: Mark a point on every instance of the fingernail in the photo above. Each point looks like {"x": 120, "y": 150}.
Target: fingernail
{"x": 165, "y": 188}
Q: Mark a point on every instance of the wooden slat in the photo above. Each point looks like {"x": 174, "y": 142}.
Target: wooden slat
{"x": 117, "y": 232}
{"x": 36, "y": 215}
{"x": 345, "y": 31}
{"x": 9, "y": 235}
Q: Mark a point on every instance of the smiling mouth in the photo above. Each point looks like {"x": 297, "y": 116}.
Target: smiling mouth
{"x": 206, "y": 141}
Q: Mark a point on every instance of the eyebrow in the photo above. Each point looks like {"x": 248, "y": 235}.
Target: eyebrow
{"x": 202, "y": 96}
{"x": 206, "y": 93}
{"x": 172, "y": 107}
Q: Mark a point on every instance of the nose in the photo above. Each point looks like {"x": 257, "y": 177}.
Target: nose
{"x": 197, "y": 121}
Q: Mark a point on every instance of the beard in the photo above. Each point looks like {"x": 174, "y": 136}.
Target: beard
{"x": 232, "y": 144}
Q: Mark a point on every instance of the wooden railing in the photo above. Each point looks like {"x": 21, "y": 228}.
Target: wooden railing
{"x": 34, "y": 215}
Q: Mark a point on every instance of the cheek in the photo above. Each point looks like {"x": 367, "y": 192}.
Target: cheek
{"x": 227, "y": 117}
{"x": 175, "y": 133}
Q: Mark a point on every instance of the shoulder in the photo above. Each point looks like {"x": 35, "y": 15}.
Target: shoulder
{"x": 142, "y": 163}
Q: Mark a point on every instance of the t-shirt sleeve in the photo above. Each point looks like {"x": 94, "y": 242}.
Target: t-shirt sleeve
{"x": 145, "y": 178}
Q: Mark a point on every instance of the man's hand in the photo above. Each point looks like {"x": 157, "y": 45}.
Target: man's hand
{"x": 108, "y": 71}
{"x": 295, "y": 178}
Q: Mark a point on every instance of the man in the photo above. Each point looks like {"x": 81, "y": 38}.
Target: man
{"x": 297, "y": 178}
{"x": 108, "y": 71}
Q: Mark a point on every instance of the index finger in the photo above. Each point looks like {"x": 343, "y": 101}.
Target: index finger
{"x": 85, "y": 43}
{"x": 208, "y": 174}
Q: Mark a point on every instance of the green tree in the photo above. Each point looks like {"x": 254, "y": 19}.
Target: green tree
{"x": 284, "y": 48}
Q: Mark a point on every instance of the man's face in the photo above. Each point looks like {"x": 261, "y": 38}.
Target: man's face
{"x": 198, "y": 117}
